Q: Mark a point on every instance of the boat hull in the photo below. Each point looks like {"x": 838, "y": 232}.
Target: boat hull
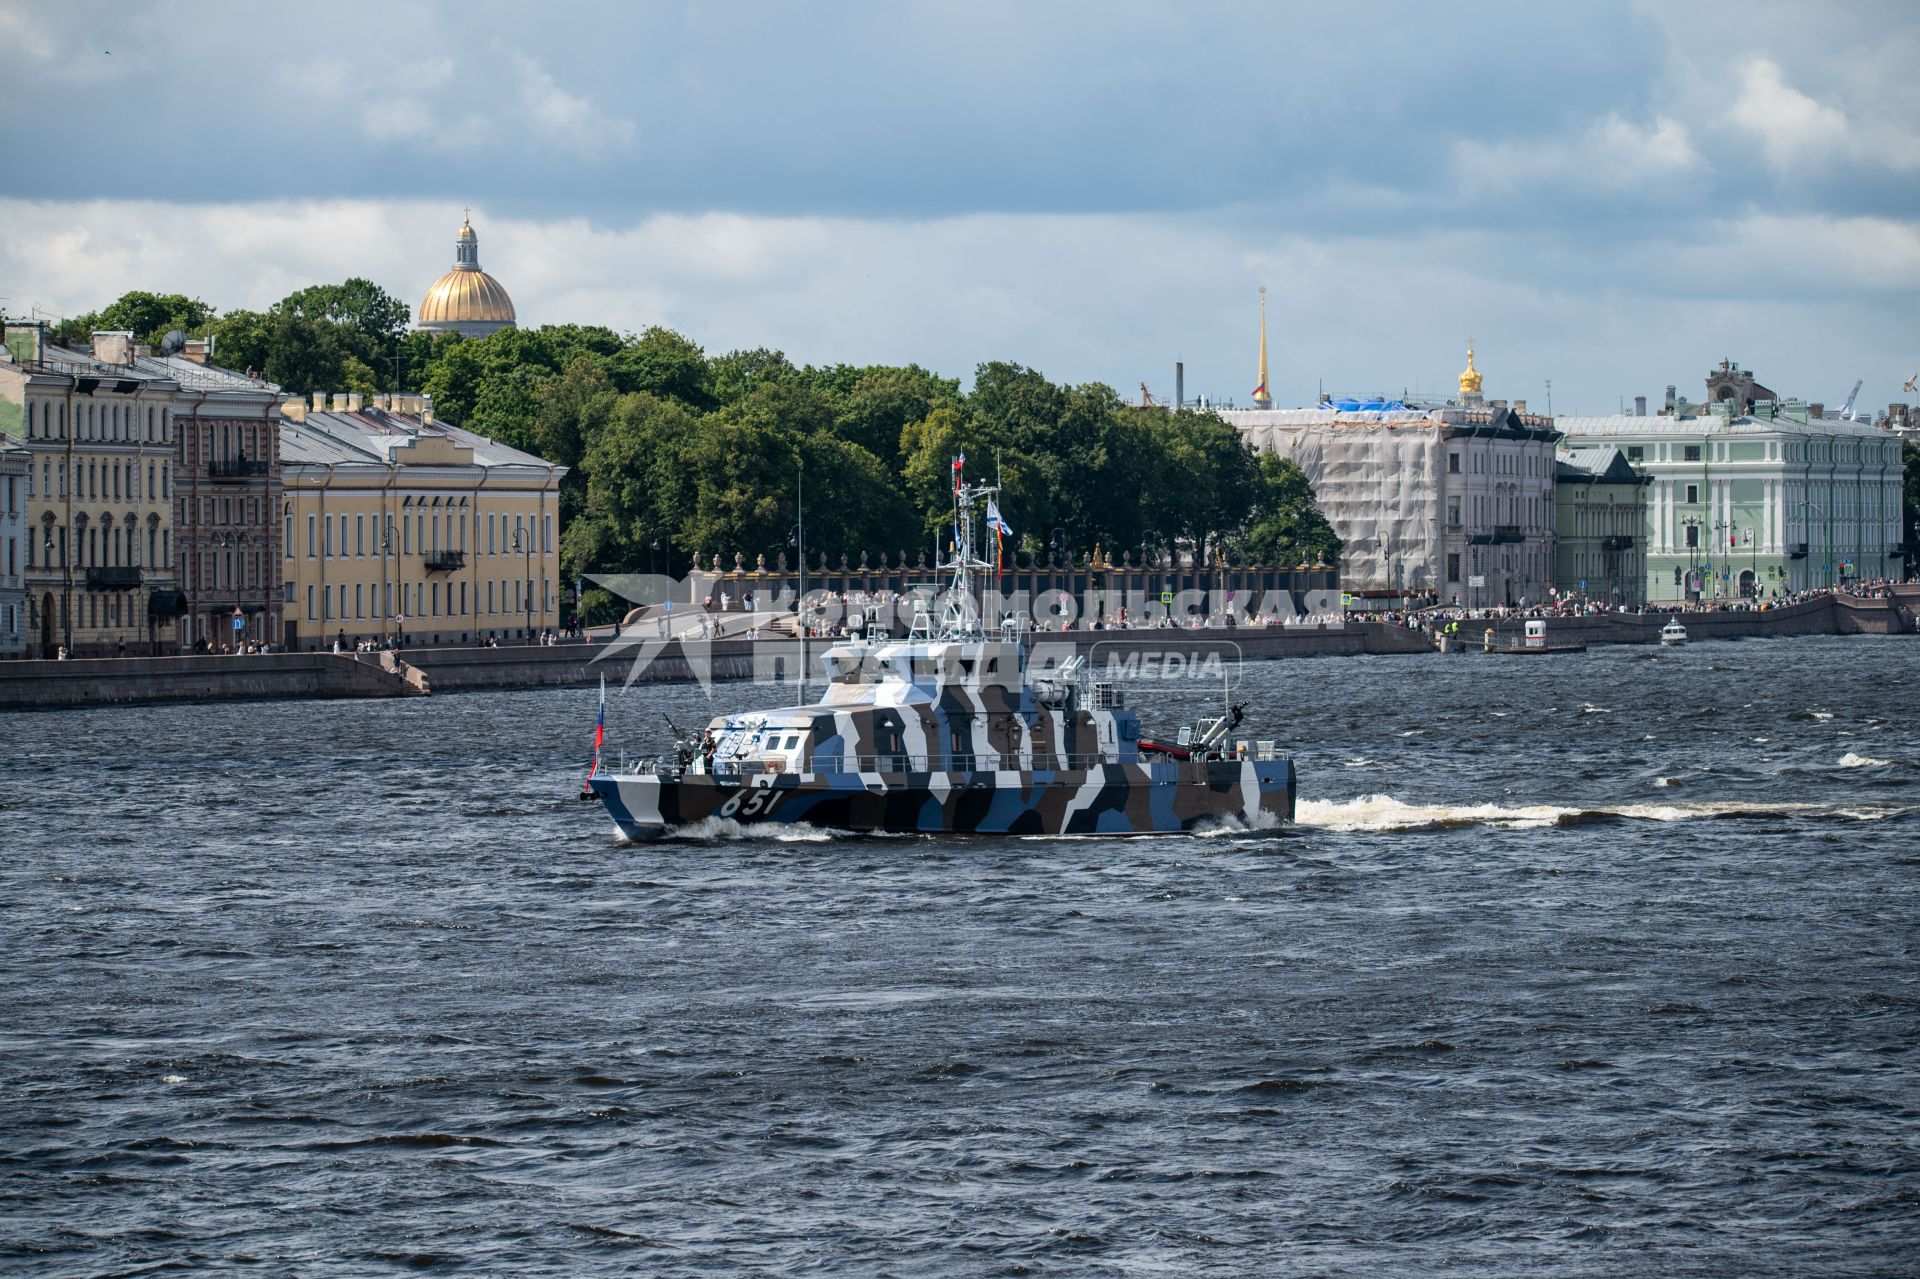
{"x": 1117, "y": 799}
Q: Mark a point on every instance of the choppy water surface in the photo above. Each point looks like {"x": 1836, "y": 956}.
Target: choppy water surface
{"x": 1576, "y": 966}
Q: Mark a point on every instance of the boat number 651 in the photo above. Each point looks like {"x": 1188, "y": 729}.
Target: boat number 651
{"x": 749, "y": 803}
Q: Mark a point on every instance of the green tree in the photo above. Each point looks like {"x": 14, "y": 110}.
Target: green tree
{"x": 148, "y": 316}
{"x": 879, "y": 404}
{"x": 357, "y": 304}
{"x": 732, "y": 375}
{"x": 662, "y": 362}
{"x": 1287, "y": 525}
{"x": 637, "y": 490}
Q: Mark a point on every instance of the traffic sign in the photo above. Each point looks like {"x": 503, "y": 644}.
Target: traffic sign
{"x": 1166, "y": 597}
{"x": 1477, "y": 579}
{"x": 1583, "y": 583}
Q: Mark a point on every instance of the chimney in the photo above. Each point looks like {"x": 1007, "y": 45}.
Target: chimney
{"x": 339, "y": 401}
{"x": 294, "y": 409}
{"x": 1816, "y": 411}
{"x": 353, "y": 401}
{"x": 141, "y": 350}
{"x": 319, "y": 401}
{"x": 1639, "y": 406}
{"x": 1179, "y": 385}
{"x": 195, "y": 350}
{"x": 1519, "y": 406}
{"x": 1672, "y": 400}
{"x": 113, "y": 348}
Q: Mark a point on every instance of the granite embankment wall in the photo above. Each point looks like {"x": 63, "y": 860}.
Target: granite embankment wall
{"x": 107, "y": 681}
{"x": 733, "y": 659}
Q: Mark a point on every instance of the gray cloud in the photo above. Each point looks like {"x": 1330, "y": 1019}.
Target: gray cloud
{"x": 1606, "y": 193}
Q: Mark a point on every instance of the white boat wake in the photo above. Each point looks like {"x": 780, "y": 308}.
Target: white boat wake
{"x": 1386, "y": 813}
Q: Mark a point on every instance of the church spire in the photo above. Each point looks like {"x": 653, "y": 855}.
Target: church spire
{"x": 1470, "y": 380}
{"x": 1262, "y": 395}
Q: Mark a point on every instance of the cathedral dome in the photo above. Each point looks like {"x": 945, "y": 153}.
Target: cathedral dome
{"x": 466, "y": 299}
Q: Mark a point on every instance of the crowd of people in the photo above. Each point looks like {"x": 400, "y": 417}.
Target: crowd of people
{"x": 1570, "y": 605}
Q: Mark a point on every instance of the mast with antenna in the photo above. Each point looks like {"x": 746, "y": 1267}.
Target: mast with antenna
{"x": 960, "y": 617}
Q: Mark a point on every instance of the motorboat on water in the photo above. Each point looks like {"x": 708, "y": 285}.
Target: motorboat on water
{"x": 1535, "y": 642}
{"x": 1673, "y": 635}
{"x": 955, "y": 730}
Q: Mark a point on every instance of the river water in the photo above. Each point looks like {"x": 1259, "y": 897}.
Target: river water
{"x": 1575, "y": 966}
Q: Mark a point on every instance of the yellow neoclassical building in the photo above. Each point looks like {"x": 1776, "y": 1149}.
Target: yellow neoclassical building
{"x": 398, "y": 526}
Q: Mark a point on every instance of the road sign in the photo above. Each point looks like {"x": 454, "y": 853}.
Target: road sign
{"x": 1583, "y": 583}
{"x": 239, "y": 622}
{"x": 1477, "y": 579}
{"x": 1166, "y": 597}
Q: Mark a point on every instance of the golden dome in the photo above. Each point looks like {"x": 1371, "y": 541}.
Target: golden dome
{"x": 466, "y": 299}
{"x": 1470, "y": 379}
{"x": 464, "y": 296}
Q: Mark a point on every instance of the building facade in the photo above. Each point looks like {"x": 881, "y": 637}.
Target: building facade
{"x": 1761, "y": 503}
{"x": 99, "y": 550}
{"x": 14, "y": 461}
{"x": 1600, "y": 513}
{"x": 398, "y": 527}
{"x": 1451, "y": 503}
{"x": 226, "y": 514}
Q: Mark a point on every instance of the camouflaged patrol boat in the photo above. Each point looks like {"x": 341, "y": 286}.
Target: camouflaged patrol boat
{"x": 953, "y": 729}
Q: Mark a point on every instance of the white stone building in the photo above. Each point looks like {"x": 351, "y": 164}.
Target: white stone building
{"x": 1454, "y": 504}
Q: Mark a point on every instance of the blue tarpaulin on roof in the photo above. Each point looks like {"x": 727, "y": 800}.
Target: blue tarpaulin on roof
{"x": 1349, "y": 404}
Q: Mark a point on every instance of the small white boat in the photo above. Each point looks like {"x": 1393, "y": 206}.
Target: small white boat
{"x": 1672, "y": 635}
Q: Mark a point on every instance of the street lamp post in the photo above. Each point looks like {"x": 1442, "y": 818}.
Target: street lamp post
{"x": 227, "y": 541}
{"x": 524, "y": 544}
{"x": 66, "y": 627}
{"x": 1695, "y": 523}
{"x": 387, "y": 613}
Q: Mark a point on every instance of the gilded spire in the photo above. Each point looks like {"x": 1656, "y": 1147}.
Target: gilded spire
{"x": 1262, "y": 396}
{"x": 1470, "y": 378}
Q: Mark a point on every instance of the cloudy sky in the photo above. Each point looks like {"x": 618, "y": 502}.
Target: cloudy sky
{"x": 1609, "y": 195}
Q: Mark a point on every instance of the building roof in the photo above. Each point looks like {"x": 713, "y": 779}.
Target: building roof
{"x": 1623, "y": 424}
{"x": 194, "y": 376}
{"x": 1497, "y": 421}
{"x": 371, "y": 436}
{"x": 1595, "y": 464}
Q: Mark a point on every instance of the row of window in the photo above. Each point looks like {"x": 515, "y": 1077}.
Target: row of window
{"x": 374, "y": 600}
{"x": 101, "y": 546}
{"x": 119, "y": 609}
{"x": 97, "y": 421}
{"x": 105, "y": 481}
{"x": 1530, "y": 565}
{"x": 423, "y": 533}
{"x": 1503, "y": 463}
{"x": 1503, "y": 509}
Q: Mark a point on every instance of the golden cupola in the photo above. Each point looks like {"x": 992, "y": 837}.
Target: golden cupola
{"x": 1470, "y": 380}
{"x": 466, "y": 300}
